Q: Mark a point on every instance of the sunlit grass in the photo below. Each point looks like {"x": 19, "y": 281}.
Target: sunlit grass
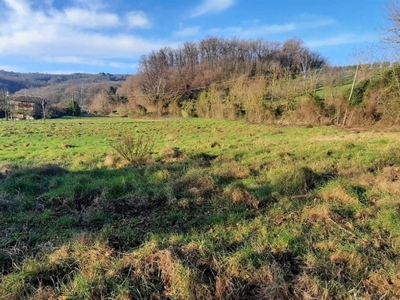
{"x": 220, "y": 210}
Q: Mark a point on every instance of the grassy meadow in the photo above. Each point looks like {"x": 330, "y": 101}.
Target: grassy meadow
{"x": 218, "y": 210}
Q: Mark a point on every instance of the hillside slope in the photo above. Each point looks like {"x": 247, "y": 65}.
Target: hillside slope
{"x": 14, "y": 81}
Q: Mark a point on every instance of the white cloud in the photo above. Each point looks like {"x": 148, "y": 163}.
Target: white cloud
{"x": 255, "y": 30}
{"x": 89, "y": 61}
{"x": 341, "y": 40}
{"x": 314, "y": 21}
{"x": 138, "y": 19}
{"x": 18, "y": 6}
{"x": 74, "y": 34}
{"x": 87, "y": 19}
{"x": 211, "y": 6}
{"x": 187, "y": 32}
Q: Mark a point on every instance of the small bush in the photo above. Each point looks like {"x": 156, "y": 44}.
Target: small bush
{"x": 135, "y": 151}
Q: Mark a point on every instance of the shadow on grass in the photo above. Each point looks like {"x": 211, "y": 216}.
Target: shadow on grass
{"x": 209, "y": 226}
{"x": 49, "y": 204}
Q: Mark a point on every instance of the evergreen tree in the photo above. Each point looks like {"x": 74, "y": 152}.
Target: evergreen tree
{"x": 73, "y": 108}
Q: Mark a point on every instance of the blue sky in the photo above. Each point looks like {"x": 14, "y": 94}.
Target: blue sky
{"x": 92, "y": 36}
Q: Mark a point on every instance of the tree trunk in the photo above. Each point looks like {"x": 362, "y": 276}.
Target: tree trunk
{"x": 354, "y": 82}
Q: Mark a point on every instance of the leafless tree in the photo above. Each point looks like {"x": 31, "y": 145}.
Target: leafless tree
{"x": 5, "y": 102}
{"x": 392, "y": 31}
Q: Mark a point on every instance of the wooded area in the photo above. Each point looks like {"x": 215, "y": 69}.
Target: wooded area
{"x": 259, "y": 81}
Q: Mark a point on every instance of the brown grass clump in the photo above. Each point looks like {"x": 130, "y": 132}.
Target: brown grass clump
{"x": 158, "y": 274}
{"x": 202, "y": 187}
{"x": 348, "y": 263}
{"x": 241, "y": 196}
{"x": 4, "y": 171}
{"x": 238, "y": 281}
{"x": 184, "y": 203}
{"x": 318, "y": 213}
{"x": 110, "y": 161}
{"x": 272, "y": 283}
{"x": 389, "y": 179}
{"x": 308, "y": 288}
{"x": 338, "y": 193}
{"x": 363, "y": 216}
{"x": 193, "y": 253}
{"x": 195, "y": 186}
{"x": 44, "y": 293}
{"x": 172, "y": 154}
{"x": 329, "y": 244}
{"x": 93, "y": 258}
{"x": 383, "y": 285}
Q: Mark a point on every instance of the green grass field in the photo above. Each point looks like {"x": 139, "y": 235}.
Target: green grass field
{"x": 219, "y": 210}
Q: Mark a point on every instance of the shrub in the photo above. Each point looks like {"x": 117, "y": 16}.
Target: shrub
{"x": 73, "y": 109}
{"x": 135, "y": 151}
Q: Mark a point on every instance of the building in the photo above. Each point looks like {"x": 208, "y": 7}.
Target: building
{"x": 25, "y": 107}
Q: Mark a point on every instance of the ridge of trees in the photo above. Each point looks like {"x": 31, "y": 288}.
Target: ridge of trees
{"x": 183, "y": 73}
{"x": 15, "y": 81}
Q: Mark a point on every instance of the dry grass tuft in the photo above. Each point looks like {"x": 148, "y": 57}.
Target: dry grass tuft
{"x": 308, "y": 288}
{"x": 389, "y": 180}
{"x": 5, "y": 171}
{"x": 45, "y": 293}
{"x": 184, "y": 203}
{"x": 363, "y": 216}
{"x": 224, "y": 287}
{"x": 241, "y": 196}
{"x": 329, "y": 244}
{"x": 340, "y": 257}
{"x": 111, "y": 161}
{"x": 338, "y": 193}
{"x": 172, "y": 154}
{"x": 348, "y": 264}
{"x": 195, "y": 186}
{"x": 272, "y": 283}
{"x": 383, "y": 285}
{"x": 159, "y": 274}
{"x": 318, "y": 213}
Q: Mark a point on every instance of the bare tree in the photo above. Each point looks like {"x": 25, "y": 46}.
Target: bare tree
{"x": 5, "y": 100}
{"x": 39, "y": 97}
{"x": 392, "y": 32}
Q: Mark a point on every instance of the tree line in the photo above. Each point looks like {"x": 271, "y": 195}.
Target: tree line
{"x": 183, "y": 73}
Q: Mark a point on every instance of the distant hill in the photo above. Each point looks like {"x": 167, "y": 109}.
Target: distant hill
{"x": 14, "y": 81}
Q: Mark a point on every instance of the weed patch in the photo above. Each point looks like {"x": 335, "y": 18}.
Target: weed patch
{"x": 135, "y": 150}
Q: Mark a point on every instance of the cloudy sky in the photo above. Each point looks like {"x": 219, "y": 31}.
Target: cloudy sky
{"x": 92, "y": 36}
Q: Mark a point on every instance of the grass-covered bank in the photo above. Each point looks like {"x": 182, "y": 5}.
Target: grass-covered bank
{"x": 221, "y": 210}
